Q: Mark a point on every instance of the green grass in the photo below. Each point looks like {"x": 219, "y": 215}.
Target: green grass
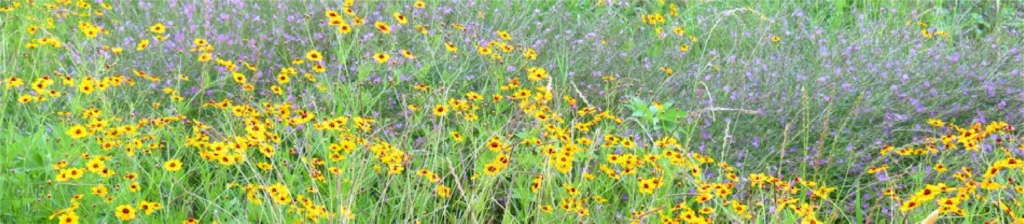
{"x": 845, "y": 79}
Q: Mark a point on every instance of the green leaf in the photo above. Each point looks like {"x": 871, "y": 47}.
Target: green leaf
{"x": 672, "y": 115}
{"x": 36, "y": 160}
{"x": 668, "y": 126}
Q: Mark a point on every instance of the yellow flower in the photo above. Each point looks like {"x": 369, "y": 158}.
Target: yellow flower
{"x": 948, "y": 202}
{"x": 536, "y": 73}
{"x": 571, "y": 190}
{"x": 536, "y": 184}
{"x": 483, "y": 50}
{"x": 68, "y": 218}
{"x": 407, "y": 54}
{"x": 344, "y": 29}
{"x": 381, "y": 58}
{"x": 238, "y": 77}
{"x": 200, "y": 42}
{"x": 149, "y": 207}
{"x": 100, "y": 190}
{"x": 456, "y": 136}
{"x": 384, "y": 28}
{"x": 142, "y": 45}
{"x": 77, "y": 132}
{"x": 158, "y": 28}
{"x": 314, "y": 55}
{"x": 125, "y": 212}
{"x": 134, "y": 187}
{"x": 32, "y": 29}
{"x": 547, "y": 209}
{"x": 318, "y": 68}
{"x": 667, "y": 70}
{"x": 401, "y": 18}
{"x": 909, "y": 205}
{"x": 332, "y": 14}
{"x": 451, "y": 47}
{"x": 491, "y": 169}
{"x": 646, "y": 186}
{"x": 470, "y": 117}
{"x": 95, "y": 165}
{"x": 172, "y": 165}
{"x": 25, "y": 99}
{"x": 265, "y": 166}
{"x": 504, "y": 35}
{"x": 530, "y": 54}
{"x": 205, "y": 57}
{"x": 14, "y": 82}
{"x": 283, "y": 79}
{"x": 626, "y": 143}
{"x": 495, "y": 145}
{"x": 440, "y": 110}
{"x": 443, "y": 191}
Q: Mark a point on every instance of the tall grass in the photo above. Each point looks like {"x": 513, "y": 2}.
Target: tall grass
{"x": 843, "y": 80}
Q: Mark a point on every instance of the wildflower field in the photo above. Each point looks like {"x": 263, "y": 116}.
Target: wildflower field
{"x": 488, "y": 111}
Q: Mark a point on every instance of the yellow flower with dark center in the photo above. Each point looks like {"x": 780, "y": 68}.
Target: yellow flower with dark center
{"x": 451, "y": 47}
{"x": 407, "y": 54}
{"x": 158, "y": 28}
{"x": 483, "y": 50}
{"x": 547, "y": 209}
{"x": 456, "y": 136}
{"x": 205, "y": 57}
{"x": 238, "y": 77}
{"x": 491, "y": 169}
{"x": 384, "y": 28}
{"x": 77, "y": 132}
{"x": 24, "y": 99}
{"x": 69, "y": 217}
{"x": 314, "y": 55}
{"x": 536, "y": 73}
{"x": 95, "y": 165}
{"x": 100, "y": 190}
{"x": 332, "y": 14}
{"x": 134, "y": 187}
{"x": 14, "y": 82}
{"x": 125, "y": 212}
{"x": 504, "y": 35}
{"x": 172, "y": 165}
{"x": 381, "y": 58}
{"x": 142, "y": 45}
{"x": 443, "y": 191}
{"x": 283, "y": 79}
{"x": 440, "y": 110}
{"x": 401, "y": 18}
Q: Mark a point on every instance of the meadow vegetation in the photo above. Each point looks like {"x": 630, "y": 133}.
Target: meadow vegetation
{"x": 846, "y": 111}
